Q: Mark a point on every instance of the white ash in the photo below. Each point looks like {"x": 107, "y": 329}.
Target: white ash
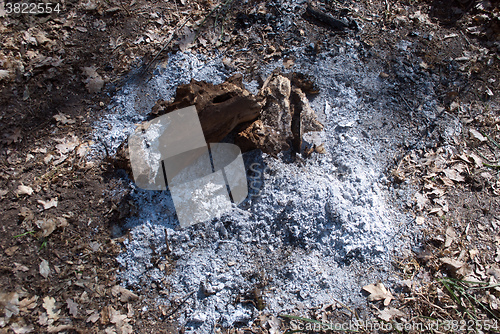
{"x": 313, "y": 231}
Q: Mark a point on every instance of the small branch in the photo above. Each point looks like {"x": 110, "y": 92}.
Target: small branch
{"x": 165, "y": 46}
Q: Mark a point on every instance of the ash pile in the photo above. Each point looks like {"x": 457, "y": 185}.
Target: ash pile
{"x": 318, "y": 212}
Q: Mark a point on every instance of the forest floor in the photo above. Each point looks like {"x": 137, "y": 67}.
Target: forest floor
{"x": 58, "y": 72}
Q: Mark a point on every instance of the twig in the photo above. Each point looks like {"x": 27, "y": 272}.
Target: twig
{"x": 180, "y": 304}
{"x": 325, "y": 18}
{"x": 204, "y": 20}
{"x": 164, "y": 46}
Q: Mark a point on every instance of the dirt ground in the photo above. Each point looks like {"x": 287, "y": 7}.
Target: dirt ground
{"x": 58, "y": 72}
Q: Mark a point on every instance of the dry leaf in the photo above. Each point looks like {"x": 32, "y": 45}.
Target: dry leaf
{"x": 388, "y": 313}
{"x": 13, "y": 137}
{"x": 120, "y": 321}
{"x": 94, "y": 81}
{"x": 456, "y": 268}
{"x": 110, "y": 330}
{"x": 44, "y": 268}
{"x": 28, "y": 304}
{"x": 11, "y": 250}
{"x": 437, "y": 192}
{"x": 450, "y": 236}
{"x": 446, "y": 181}
{"x": 421, "y": 200}
{"x": 477, "y": 160}
{"x": 21, "y": 329}
{"x": 126, "y": 295}
{"x": 82, "y": 150}
{"x": 19, "y": 267}
{"x": 9, "y": 304}
{"x": 115, "y": 317}
{"x": 24, "y": 190}
{"x": 61, "y": 118}
{"x": 26, "y": 213}
{"x": 5, "y": 74}
{"x": 188, "y": 38}
{"x": 3, "y": 193}
{"x": 43, "y": 319}
{"x": 67, "y": 145}
{"x": 72, "y": 307}
{"x": 41, "y": 38}
{"x": 60, "y": 328}
{"x": 52, "y": 203}
{"x": 93, "y": 317}
{"x": 493, "y": 301}
{"x": 453, "y": 174}
{"x": 477, "y": 135}
{"x": 288, "y": 62}
{"x": 49, "y": 225}
{"x": 49, "y": 304}
{"x": 378, "y": 292}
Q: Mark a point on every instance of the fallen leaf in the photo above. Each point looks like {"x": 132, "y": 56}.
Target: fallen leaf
{"x": 126, "y": 295}
{"x": 49, "y": 304}
{"x": 24, "y": 190}
{"x": 453, "y": 174}
{"x": 44, "y": 268}
{"x": 13, "y": 137}
{"x": 41, "y": 38}
{"x": 477, "y": 135}
{"x": 60, "y": 328}
{"x": 11, "y": 250}
{"x": 477, "y": 160}
{"x": 47, "y": 226}
{"x": 110, "y": 330}
{"x": 186, "y": 42}
{"x": 420, "y": 220}
{"x": 288, "y": 62}
{"x": 43, "y": 319}
{"x": 52, "y": 203}
{"x": 120, "y": 321}
{"x": 450, "y": 236}
{"x": 436, "y": 192}
{"x": 28, "y": 304}
{"x": 94, "y": 81}
{"x": 19, "y": 267}
{"x": 93, "y": 317}
{"x": 82, "y": 150}
{"x": 115, "y": 317}
{"x": 48, "y": 158}
{"x": 388, "y": 313}
{"x": 446, "y": 181}
{"x": 61, "y": 118}
{"x": 26, "y": 213}
{"x": 61, "y": 159}
{"x": 456, "y": 268}
{"x": 21, "y": 329}
{"x": 9, "y": 304}
{"x": 130, "y": 311}
{"x": 378, "y": 292}
{"x": 3, "y": 193}
{"x": 72, "y": 307}
{"x": 67, "y": 145}
{"x": 421, "y": 200}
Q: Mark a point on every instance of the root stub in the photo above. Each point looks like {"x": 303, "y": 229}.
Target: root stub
{"x": 272, "y": 120}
